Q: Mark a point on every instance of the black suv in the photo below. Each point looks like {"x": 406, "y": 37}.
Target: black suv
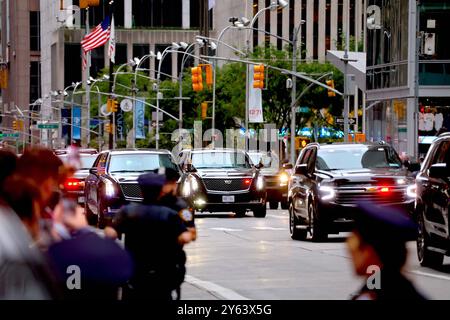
{"x": 432, "y": 204}
{"x": 112, "y": 181}
{"x": 330, "y": 180}
{"x": 222, "y": 180}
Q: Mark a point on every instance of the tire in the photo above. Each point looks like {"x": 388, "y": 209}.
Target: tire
{"x": 284, "y": 205}
{"x": 273, "y": 205}
{"x": 427, "y": 258}
{"x": 91, "y": 218}
{"x": 316, "y": 227}
{"x": 296, "y": 234}
{"x": 240, "y": 213}
{"x": 260, "y": 212}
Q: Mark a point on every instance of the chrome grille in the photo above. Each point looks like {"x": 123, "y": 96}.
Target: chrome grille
{"x": 224, "y": 184}
{"x": 350, "y": 196}
{"x": 131, "y": 190}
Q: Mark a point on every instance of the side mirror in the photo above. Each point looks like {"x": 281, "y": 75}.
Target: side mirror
{"x": 93, "y": 171}
{"x": 439, "y": 170}
{"x": 259, "y": 166}
{"x": 287, "y": 166}
{"x": 301, "y": 169}
{"x": 190, "y": 168}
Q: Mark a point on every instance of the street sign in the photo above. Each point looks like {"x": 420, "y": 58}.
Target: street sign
{"x": 154, "y": 124}
{"x": 126, "y": 105}
{"x": 9, "y": 135}
{"x": 44, "y": 126}
{"x": 351, "y": 121}
{"x": 303, "y": 109}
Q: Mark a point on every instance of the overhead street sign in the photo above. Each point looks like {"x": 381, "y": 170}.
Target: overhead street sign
{"x": 351, "y": 121}
{"x": 9, "y": 135}
{"x": 303, "y": 109}
{"x": 44, "y": 126}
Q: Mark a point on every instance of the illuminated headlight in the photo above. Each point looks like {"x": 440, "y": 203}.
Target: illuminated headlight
{"x": 260, "y": 183}
{"x": 411, "y": 191}
{"x": 327, "y": 193}
{"x": 110, "y": 190}
{"x": 199, "y": 202}
{"x": 284, "y": 179}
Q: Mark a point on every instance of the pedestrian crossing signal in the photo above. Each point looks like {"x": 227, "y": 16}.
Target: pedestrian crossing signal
{"x": 301, "y": 142}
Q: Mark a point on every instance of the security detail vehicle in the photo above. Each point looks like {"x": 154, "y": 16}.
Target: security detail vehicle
{"x": 222, "y": 180}
{"x": 112, "y": 181}
{"x": 433, "y": 203}
{"x": 330, "y": 180}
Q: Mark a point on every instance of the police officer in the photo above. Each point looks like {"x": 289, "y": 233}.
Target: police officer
{"x": 378, "y": 250}
{"x": 153, "y": 236}
{"x": 169, "y": 198}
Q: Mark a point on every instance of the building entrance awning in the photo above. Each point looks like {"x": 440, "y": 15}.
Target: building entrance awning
{"x": 358, "y": 67}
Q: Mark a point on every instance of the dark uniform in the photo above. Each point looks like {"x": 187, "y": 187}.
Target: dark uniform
{"x": 387, "y": 230}
{"x": 151, "y": 232}
{"x": 186, "y": 215}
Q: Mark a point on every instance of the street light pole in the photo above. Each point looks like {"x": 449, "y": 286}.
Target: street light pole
{"x": 346, "y": 82}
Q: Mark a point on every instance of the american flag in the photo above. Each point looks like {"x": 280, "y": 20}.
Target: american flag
{"x": 112, "y": 42}
{"x": 97, "y": 37}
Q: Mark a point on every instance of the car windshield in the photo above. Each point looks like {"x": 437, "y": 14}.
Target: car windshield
{"x": 219, "y": 160}
{"x": 86, "y": 160}
{"x": 361, "y": 157}
{"x": 140, "y": 162}
{"x": 264, "y": 158}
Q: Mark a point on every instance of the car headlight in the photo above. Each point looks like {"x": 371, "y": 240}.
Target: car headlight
{"x": 411, "y": 191}
{"x": 260, "y": 183}
{"x": 327, "y": 193}
{"x": 284, "y": 179}
{"x": 110, "y": 190}
{"x": 190, "y": 186}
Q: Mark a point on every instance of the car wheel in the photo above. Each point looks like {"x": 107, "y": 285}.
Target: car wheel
{"x": 240, "y": 213}
{"x": 273, "y": 205}
{"x": 260, "y": 212}
{"x": 296, "y": 234}
{"x": 316, "y": 228}
{"x": 427, "y": 258}
{"x": 284, "y": 205}
{"x": 90, "y": 216}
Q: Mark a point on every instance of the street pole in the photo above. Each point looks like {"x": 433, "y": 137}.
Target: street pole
{"x": 133, "y": 93}
{"x": 112, "y": 117}
{"x": 346, "y": 84}
{"x": 99, "y": 97}
{"x": 88, "y": 87}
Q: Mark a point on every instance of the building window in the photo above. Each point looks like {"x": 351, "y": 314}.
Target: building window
{"x": 97, "y": 61}
{"x": 121, "y": 53}
{"x": 157, "y": 13}
{"x": 35, "y": 80}
{"x": 35, "y": 31}
{"x": 139, "y": 51}
{"x": 72, "y": 63}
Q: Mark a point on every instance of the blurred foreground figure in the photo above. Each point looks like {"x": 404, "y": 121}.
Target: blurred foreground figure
{"x": 378, "y": 250}
{"x": 154, "y": 235}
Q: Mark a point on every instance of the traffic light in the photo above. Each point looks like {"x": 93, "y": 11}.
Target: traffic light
{"x": 111, "y": 105}
{"x": 258, "y": 76}
{"x": 330, "y": 83}
{"x": 204, "y": 110}
{"x": 209, "y": 75}
{"x": 15, "y": 125}
{"x": 89, "y": 3}
{"x": 20, "y": 124}
{"x": 301, "y": 142}
{"x": 109, "y": 128}
{"x": 197, "y": 79}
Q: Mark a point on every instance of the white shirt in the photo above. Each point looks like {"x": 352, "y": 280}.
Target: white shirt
{"x": 438, "y": 121}
{"x": 429, "y": 121}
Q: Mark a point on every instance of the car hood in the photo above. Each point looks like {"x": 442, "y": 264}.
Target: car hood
{"x": 213, "y": 173}
{"x": 126, "y": 177}
{"x": 369, "y": 176}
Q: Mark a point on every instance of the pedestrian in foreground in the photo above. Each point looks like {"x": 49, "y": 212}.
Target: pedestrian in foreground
{"x": 378, "y": 250}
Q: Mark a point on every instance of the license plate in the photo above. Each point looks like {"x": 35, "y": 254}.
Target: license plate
{"x": 228, "y": 199}
{"x": 80, "y": 199}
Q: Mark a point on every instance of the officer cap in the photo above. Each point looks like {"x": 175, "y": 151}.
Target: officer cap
{"x": 384, "y": 227}
{"x": 169, "y": 173}
{"x": 151, "y": 180}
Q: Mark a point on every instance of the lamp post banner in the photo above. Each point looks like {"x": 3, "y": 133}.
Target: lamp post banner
{"x": 255, "y": 111}
{"x": 76, "y": 123}
{"x": 65, "y": 123}
{"x": 139, "y": 115}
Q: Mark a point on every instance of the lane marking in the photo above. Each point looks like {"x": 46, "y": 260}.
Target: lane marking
{"x": 426, "y": 274}
{"x": 269, "y": 228}
{"x": 226, "y": 229}
{"x": 214, "y": 289}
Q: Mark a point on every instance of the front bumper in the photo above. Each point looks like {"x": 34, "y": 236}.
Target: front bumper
{"x": 278, "y": 194}
{"x": 214, "y": 202}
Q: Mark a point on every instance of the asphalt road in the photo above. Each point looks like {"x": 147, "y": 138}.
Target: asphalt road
{"x": 249, "y": 258}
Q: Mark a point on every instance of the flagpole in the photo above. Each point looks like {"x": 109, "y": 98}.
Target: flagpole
{"x": 112, "y": 117}
{"x": 88, "y": 87}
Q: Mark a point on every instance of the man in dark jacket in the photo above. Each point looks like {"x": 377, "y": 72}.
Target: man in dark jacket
{"x": 378, "y": 250}
{"x": 153, "y": 236}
